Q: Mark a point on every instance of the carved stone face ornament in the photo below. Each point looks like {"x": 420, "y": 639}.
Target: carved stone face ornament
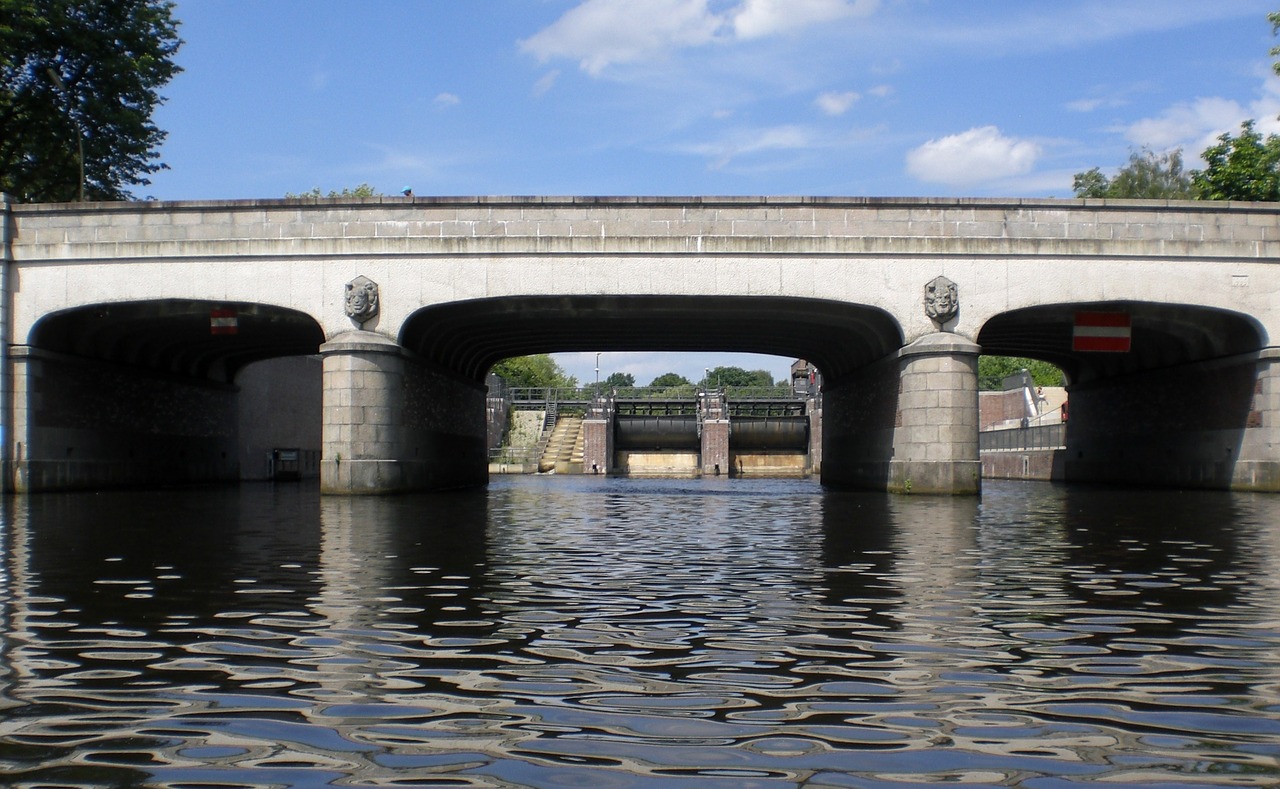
{"x": 362, "y": 299}
{"x": 941, "y": 300}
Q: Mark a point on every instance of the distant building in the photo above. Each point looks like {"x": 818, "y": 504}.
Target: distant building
{"x": 805, "y": 378}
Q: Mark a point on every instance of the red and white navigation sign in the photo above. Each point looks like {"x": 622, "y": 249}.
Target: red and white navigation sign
{"x": 1107, "y": 332}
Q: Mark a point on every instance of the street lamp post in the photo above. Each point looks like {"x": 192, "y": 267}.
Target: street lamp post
{"x": 597, "y": 375}
{"x": 66, "y": 100}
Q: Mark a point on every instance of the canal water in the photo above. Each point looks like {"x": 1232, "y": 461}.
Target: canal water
{"x": 591, "y": 632}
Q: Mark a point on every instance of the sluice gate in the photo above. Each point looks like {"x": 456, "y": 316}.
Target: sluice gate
{"x": 769, "y": 433}
{"x": 654, "y": 433}
{"x": 707, "y": 435}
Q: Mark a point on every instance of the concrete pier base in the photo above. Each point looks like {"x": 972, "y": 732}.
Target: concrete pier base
{"x": 392, "y": 424}
{"x": 909, "y": 423}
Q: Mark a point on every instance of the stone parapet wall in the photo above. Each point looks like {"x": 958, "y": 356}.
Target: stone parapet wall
{"x": 705, "y": 225}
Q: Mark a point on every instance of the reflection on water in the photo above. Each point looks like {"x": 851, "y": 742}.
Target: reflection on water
{"x": 553, "y": 632}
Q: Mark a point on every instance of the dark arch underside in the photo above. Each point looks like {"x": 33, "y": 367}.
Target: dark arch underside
{"x": 1162, "y": 335}
{"x": 469, "y": 337}
{"x": 177, "y": 336}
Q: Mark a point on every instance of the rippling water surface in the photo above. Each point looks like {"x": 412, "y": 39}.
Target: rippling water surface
{"x": 553, "y": 632}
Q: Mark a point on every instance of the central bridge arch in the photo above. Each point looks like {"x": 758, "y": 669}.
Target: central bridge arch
{"x": 469, "y": 337}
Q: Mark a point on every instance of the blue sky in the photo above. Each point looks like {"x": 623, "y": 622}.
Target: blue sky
{"x": 700, "y": 97}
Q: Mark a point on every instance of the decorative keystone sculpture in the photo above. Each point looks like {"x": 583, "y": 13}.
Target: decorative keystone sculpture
{"x": 941, "y": 300}
{"x": 362, "y": 299}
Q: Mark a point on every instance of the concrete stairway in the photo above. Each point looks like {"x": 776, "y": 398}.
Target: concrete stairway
{"x": 563, "y": 453}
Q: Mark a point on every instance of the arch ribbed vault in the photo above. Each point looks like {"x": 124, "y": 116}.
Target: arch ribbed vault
{"x": 469, "y": 337}
{"x": 1162, "y": 335}
{"x": 176, "y": 336}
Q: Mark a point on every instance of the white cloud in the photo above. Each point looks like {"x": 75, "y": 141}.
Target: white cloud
{"x": 761, "y": 18}
{"x": 602, "y": 33}
{"x": 599, "y": 33}
{"x": 1026, "y": 27}
{"x": 443, "y": 100}
{"x": 975, "y": 156}
{"x": 881, "y": 91}
{"x": 546, "y": 82}
{"x": 1194, "y": 126}
{"x": 1183, "y": 123}
{"x": 837, "y": 103}
{"x": 745, "y": 142}
{"x": 1089, "y": 105}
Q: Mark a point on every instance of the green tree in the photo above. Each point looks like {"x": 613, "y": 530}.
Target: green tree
{"x": 620, "y": 380}
{"x": 1148, "y": 175}
{"x": 668, "y": 380}
{"x": 1246, "y": 167}
{"x": 736, "y": 376}
{"x": 78, "y": 85}
{"x": 536, "y": 370}
{"x": 363, "y": 190}
{"x": 1274, "y": 19}
{"x": 992, "y": 370}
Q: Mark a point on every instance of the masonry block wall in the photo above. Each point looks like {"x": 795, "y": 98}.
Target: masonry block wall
{"x": 1207, "y": 425}
{"x": 715, "y": 425}
{"x": 597, "y": 440}
{"x": 80, "y": 424}
{"x": 936, "y": 436}
{"x": 997, "y": 408}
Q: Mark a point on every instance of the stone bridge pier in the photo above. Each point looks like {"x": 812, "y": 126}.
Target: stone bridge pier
{"x": 393, "y": 423}
{"x": 907, "y": 424}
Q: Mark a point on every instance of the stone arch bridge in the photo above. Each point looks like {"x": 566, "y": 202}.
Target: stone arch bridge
{"x": 125, "y": 325}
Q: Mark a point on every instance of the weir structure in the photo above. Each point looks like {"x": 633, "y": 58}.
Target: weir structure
{"x": 128, "y": 326}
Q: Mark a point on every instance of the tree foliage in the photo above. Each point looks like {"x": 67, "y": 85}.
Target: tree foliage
{"x": 1274, "y": 19}
{"x": 736, "y": 376}
{"x": 1148, "y": 175}
{"x": 992, "y": 370}
{"x": 668, "y": 380}
{"x": 1245, "y": 167}
{"x": 363, "y": 190}
{"x": 538, "y": 370}
{"x": 1238, "y": 167}
{"x": 620, "y": 380}
{"x": 82, "y": 74}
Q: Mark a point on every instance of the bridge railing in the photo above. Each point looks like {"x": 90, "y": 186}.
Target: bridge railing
{"x": 762, "y": 393}
{"x": 550, "y": 394}
{"x": 545, "y": 394}
{"x": 1023, "y": 438}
